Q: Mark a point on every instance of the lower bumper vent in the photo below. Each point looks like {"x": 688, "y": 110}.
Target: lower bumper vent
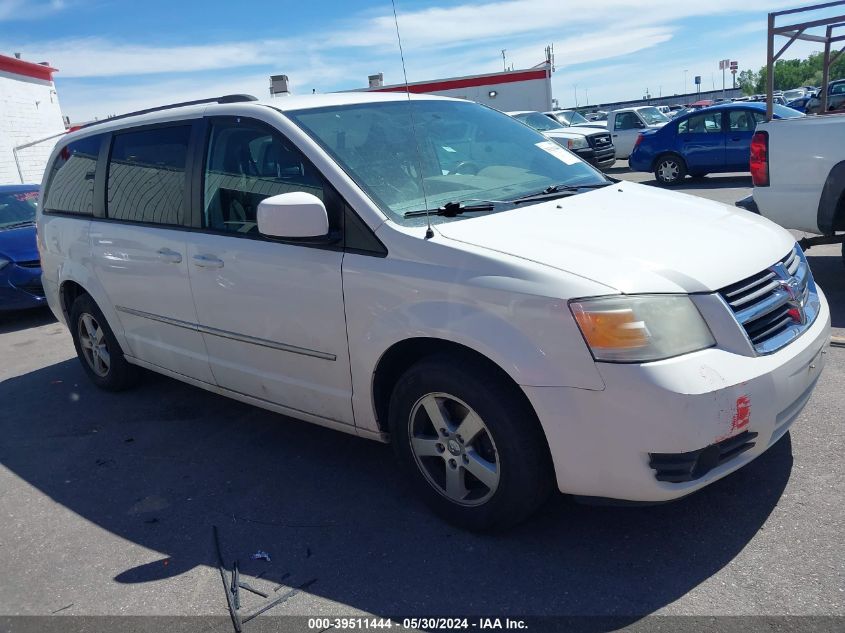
{"x": 681, "y": 467}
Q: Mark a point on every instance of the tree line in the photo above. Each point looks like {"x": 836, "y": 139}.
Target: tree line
{"x": 791, "y": 73}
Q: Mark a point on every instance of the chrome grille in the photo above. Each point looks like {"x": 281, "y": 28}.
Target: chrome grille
{"x": 599, "y": 140}
{"x": 776, "y": 305}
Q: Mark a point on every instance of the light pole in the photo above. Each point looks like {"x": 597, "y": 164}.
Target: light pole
{"x": 575, "y": 86}
{"x": 685, "y": 81}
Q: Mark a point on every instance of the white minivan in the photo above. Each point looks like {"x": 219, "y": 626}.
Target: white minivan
{"x": 432, "y": 273}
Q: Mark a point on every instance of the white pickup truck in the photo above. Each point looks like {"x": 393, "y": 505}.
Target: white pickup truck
{"x": 626, "y": 124}
{"x": 798, "y": 170}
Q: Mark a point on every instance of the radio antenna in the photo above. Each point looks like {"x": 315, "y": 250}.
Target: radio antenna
{"x": 428, "y": 232}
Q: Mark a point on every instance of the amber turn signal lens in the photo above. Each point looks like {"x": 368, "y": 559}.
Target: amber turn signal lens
{"x": 611, "y": 329}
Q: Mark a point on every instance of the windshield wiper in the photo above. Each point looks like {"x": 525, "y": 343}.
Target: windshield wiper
{"x": 16, "y": 225}
{"x": 557, "y": 191}
{"x": 451, "y": 209}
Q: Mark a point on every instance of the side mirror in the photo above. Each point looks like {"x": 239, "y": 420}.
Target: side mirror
{"x": 640, "y": 124}
{"x": 293, "y": 215}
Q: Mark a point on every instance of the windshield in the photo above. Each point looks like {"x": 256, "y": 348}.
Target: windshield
{"x": 576, "y": 119}
{"x": 461, "y": 152}
{"x": 538, "y": 121}
{"x": 652, "y": 116}
{"x": 17, "y": 207}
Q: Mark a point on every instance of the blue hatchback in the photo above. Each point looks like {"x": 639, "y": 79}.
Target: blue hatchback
{"x": 710, "y": 140}
{"x": 20, "y": 268}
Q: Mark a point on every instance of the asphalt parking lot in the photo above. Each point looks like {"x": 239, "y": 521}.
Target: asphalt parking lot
{"x": 107, "y": 503}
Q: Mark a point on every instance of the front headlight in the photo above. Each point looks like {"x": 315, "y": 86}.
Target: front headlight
{"x": 577, "y": 143}
{"x": 641, "y": 328}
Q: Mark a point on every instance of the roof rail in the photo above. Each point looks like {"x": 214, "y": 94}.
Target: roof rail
{"x": 223, "y": 99}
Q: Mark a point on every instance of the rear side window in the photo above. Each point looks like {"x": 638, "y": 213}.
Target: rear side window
{"x": 742, "y": 121}
{"x": 706, "y": 123}
{"x": 71, "y": 184}
{"x": 146, "y": 178}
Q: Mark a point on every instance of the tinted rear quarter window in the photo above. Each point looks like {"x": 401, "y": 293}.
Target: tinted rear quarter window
{"x": 71, "y": 184}
{"x": 146, "y": 176}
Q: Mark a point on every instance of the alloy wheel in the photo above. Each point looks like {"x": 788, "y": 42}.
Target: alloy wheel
{"x": 668, "y": 170}
{"x": 454, "y": 449}
{"x": 92, "y": 340}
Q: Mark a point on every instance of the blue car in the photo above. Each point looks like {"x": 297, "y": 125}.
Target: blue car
{"x": 711, "y": 140}
{"x": 20, "y": 268}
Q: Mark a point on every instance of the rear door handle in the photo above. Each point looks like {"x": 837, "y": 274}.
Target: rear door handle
{"x": 169, "y": 256}
{"x": 207, "y": 261}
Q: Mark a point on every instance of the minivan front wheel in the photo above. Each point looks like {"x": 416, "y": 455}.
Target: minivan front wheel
{"x": 669, "y": 170}
{"x": 98, "y": 350}
{"x": 454, "y": 449}
{"x": 472, "y": 447}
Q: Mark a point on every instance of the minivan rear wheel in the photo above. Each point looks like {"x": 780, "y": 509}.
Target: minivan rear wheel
{"x": 97, "y": 348}
{"x": 470, "y": 444}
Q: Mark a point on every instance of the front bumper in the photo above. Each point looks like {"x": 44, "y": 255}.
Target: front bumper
{"x": 20, "y": 288}
{"x": 601, "y": 158}
{"x": 603, "y": 442}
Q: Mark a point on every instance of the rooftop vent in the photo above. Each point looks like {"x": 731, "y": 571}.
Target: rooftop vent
{"x": 279, "y": 85}
{"x": 376, "y": 81}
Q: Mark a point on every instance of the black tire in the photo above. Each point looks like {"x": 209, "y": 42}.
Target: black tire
{"x": 114, "y": 375}
{"x": 669, "y": 169}
{"x": 512, "y": 438}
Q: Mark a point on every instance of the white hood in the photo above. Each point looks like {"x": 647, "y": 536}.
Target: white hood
{"x": 589, "y": 128}
{"x": 634, "y": 238}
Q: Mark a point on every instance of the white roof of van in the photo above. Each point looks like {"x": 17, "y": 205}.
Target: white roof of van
{"x": 287, "y": 103}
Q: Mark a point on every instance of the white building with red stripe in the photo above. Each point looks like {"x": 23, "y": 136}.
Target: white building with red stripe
{"x": 29, "y": 113}
{"x": 529, "y": 89}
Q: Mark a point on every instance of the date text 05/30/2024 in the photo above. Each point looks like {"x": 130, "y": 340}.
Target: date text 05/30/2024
{"x": 418, "y": 623}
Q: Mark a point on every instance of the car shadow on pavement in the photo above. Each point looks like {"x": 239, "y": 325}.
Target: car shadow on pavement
{"x": 713, "y": 181}
{"x": 17, "y": 320}
{"x": 829, "y": 274}
{"x": 161, "y": 464}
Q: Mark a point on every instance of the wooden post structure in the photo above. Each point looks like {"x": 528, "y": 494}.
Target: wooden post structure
{"x": 797, "y": 32}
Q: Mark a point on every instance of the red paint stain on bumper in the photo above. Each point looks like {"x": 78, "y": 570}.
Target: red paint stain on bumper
{"x": 743, "y": 414}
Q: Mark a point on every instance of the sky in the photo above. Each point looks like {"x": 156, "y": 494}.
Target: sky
{"x": 116, "y": 56}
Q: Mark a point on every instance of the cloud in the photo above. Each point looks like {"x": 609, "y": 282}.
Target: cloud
{"x": 440, "y": 40}
{"x": 11, "y": 10}
{"x": 432, "y": 30}
{"x": 99, "y": 57}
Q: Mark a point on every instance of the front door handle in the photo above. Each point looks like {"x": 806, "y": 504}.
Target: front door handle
{"x": 169, "y": 256}
{"x": 736, "y": 139}
{"x": 207, "y": 261}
